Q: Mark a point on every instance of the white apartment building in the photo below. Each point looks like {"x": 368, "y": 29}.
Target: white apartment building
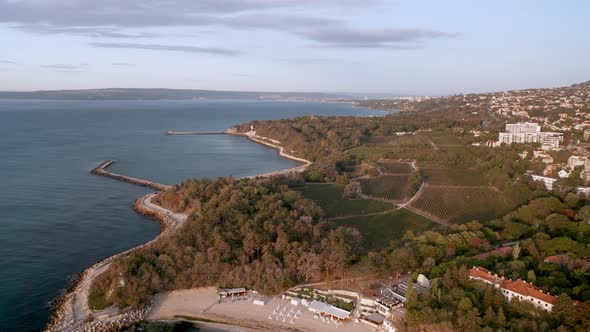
{"x": 576, "y": 161}
{"x": 547, "y": 181}
{"x": 527, "y": 132}
{"x": 523, "y": 128}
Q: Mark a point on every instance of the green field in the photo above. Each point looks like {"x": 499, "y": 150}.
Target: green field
{"x": 379, "y": 230}
{"x": 329, "y": 198}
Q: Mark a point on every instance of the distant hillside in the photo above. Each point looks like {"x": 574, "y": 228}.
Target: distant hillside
{"x": 171, "y": 94}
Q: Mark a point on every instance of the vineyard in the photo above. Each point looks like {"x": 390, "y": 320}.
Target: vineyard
{"x": 388, "y": 187}
{"x": 453, "y": 177}
{"x": 379, "y": 230}
{"x": 329, "y": 198}
{"x": 461, "y": 204}
{"x": 394, "y": 167}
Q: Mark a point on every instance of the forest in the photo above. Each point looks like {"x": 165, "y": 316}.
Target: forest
{"x": 257, "y": 234}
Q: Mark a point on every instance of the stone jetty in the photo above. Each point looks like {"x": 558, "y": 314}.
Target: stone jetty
{"x": 102, "y": 171}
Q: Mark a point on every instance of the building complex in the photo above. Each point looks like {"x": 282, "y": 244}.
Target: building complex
{"x": 528, "y": 132}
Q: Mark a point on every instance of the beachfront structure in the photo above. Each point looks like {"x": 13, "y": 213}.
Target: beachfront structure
{"x": 527, "y": 132}
{"x": 514, "y": 289}
{"x": 231, "y": 292}
{"x": 547, "y": 181}
{"x": 328, "y": 310}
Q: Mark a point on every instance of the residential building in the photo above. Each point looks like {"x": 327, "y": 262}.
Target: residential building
{"x": 527, "y": 132}
{"x": 547, "y": 181}
{"x": 523, "y": 127}
{"x": 545, "y": 157}
{"x": 576, "y": 161}
{"x": 584, "y": 191}
{"x": 514, "y": 289}
{"x": 551, "y": 170}
{"x": 564, "y": 173}
{"x": 493, "y": 144}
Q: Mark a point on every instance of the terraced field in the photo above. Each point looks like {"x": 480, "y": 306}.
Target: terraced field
{"x": 455, "y": 204}
{"x": 388, "y": 187}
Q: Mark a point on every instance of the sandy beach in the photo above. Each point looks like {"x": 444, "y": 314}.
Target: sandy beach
{"x": 241, "y": 315}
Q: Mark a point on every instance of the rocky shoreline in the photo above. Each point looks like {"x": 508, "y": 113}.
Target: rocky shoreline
{"x": 63, "y": 315}
{"x": 65, "y": 307}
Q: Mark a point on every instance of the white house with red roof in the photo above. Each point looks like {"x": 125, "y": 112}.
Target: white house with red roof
{"x": 515, "y": 289}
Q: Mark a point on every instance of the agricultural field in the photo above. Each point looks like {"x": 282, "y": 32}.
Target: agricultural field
{"x": 462, "y": 204}
{"x": 394, "y": 167}
{"x": 378, "y": 231}
{"x": 388, "y": 187}
{"x": 453, "y": 177}
{"x": 329, "y": 197}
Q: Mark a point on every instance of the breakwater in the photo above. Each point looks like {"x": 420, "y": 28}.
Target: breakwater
{"x": 71, "y": 311}
{"x": 186, "y": 133}
{"x": 101, "y": 170}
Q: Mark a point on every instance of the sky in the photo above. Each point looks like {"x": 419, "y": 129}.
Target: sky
{"x": 365, "y": 46}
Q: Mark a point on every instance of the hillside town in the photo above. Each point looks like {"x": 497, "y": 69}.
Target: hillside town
{"x": 554, "y": 122}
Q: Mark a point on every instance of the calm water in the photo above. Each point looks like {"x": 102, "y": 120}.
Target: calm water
{"x": 56, "y": 218}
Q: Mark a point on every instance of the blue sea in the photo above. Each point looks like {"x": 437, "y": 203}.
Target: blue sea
{"x": 56, "y": 219}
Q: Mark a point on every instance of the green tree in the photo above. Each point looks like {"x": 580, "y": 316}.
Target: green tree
{"x": 501, "y": 318}
{"x": 489, "y": 317}
{"x": 531, "y": 276}
{"x": 465, "y": 304}
{"x": 411, "y": 296}
{"x": 564, "y": 311}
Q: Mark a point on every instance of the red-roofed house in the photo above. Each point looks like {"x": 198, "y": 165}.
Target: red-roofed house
{"x": 567, "y": 262}
{"x": 519, "y": 289}
{"x": 525, "y": 291}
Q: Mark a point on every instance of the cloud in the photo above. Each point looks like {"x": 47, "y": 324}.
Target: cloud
{"x": 116, "y": 19}
{"x": 65, "y": 68}
{"x": 61, "y": 67}
{"x": 123, "y": 64}
{"x": 311, "y": 61}
{"x": 175, "y": 48}
{"x": 377, "y": 38}
{"x": 95, "y": 32}
{"x": 7, "y": 62}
